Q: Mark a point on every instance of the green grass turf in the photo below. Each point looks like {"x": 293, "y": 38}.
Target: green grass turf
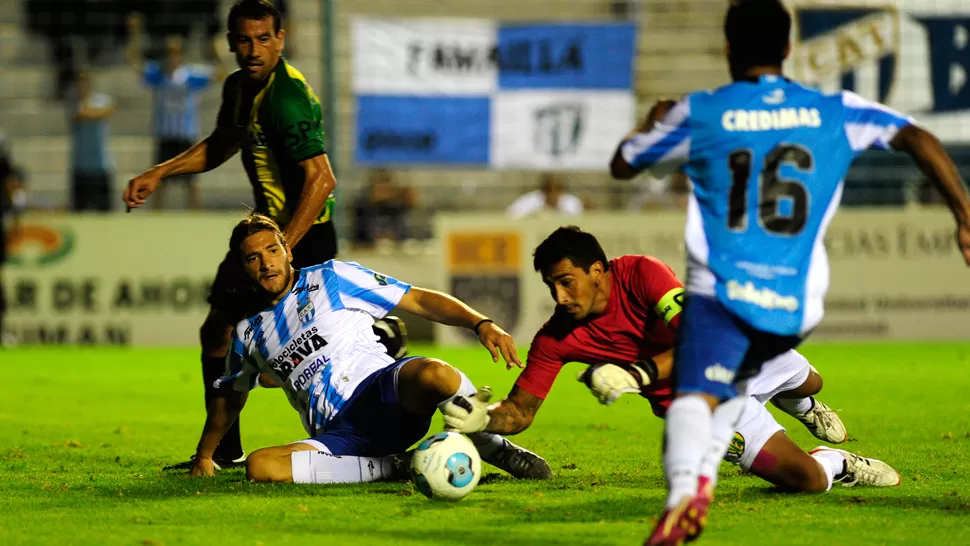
{"x": 84, "y": 435}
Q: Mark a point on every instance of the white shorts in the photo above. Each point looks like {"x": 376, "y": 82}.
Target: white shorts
{"x": 756, "y": 424}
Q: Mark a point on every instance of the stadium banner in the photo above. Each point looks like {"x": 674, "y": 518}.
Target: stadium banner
{"x": 486, "y": 94}
{"x": 895, "y": 274}
{"x": 911, "y": 55}
{"x": 133, "y": 280}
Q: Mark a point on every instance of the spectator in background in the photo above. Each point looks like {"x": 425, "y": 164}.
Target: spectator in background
{"x": 382, "y": 212}
{"x": 91, "y": 162}
{"x": 175, "y": 109}
{"x": 550, "y": 198}
{"x": 667, "y": 193}
{"x": 13, "y": 199}
{"x": 161, "y": 19}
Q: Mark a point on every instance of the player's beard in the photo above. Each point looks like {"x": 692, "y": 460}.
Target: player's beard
{"x": 278, "y": 286}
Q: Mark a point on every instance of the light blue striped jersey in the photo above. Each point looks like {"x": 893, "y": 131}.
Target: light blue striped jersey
{"x": 175, "y": 99}
{"x": 767, "y": 161}
{"x": 317, "y": 342}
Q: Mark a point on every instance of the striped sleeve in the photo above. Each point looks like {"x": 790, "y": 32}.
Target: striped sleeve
{"x": 667, "y": 144}
{"x": 363, "y": 289}
{"x": 240, "y": 368}
{"x": 869, "y": 124}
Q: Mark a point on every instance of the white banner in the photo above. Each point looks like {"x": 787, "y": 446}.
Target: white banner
{"x": 894, "y": 274}
{"x": 559, "y": 129}
{"x": 424, "y": 56}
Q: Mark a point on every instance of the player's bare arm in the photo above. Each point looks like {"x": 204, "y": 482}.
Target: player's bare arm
{"x": 619, "y": 168}
{"x": 220, "y": 415}
{"x": 937, "y": 165}
{"x": 514, "y": 413}
{"x": 450, "y": 311}
{"x": 204, "y": 156}
{"x": 318, "y": 184}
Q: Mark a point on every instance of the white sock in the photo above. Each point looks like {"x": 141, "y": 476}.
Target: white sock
{"x": 832, "y": 462}
{"x": 322, "y": 467}
{"x": 687, "y": 435}
{"x": 795, "y": 406}
{"x": 488, "y": 444}
{"x": 722, "y": 432}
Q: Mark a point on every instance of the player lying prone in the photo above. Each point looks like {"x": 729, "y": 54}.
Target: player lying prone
{"x": 626, "y": 310}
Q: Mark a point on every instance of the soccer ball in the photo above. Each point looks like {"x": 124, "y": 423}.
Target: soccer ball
{"x": 446, "y": 466}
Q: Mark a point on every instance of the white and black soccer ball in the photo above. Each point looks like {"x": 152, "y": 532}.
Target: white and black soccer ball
{"x": 446, "y": 466}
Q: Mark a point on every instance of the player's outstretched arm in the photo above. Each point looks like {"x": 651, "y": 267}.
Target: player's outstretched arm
{"x": 938, "y": 166}
{"x": 514, "y": 413}
{"x": 204, "y": 156}
{"x": 511, "y": 415}
{"x": 318, "y": 184}
{"x": 221, "y": 413}
{"x": 620, "y": 167}
{"x": 450, "y": 311}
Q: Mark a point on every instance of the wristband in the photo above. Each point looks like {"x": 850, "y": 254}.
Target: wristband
{"x": 483, "y": 321}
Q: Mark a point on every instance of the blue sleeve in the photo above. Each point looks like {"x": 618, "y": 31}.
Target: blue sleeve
{"x": 868, "y": 124}
{"x": 199, "y": 78}
{"x": 667, "y": 143}
{"x": 366, "y": 290}
{"x": 152, "y": 74}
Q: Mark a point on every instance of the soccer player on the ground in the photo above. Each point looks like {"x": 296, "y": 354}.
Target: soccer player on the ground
{"x": 620, "y": 317}
{"x": 270, "y": 112}
{"x": 361, "y": 408}
{"x": 767, "y": 158}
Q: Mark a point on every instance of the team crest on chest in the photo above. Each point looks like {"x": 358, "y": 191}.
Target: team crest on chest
{"x": 306, "y": 312}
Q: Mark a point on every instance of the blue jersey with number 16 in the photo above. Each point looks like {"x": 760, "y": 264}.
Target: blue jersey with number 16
{"x": 767, "y": 161}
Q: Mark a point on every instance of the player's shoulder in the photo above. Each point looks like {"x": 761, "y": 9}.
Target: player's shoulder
{"x": 289, "y": 82}
{"x": 638, "y": 263}
{"x": 232, "y": 84}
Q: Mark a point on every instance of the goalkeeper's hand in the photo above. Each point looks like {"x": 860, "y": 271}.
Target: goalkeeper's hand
{"x": 608, "y": 381}
{"x": 467, "y": 414}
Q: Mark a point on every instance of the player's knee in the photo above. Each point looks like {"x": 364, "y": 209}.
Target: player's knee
{"x": 265, "y": 465}
{"x": 438, "y": 377}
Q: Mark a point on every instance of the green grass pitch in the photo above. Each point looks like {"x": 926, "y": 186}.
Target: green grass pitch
{"x": 84, "y": 435}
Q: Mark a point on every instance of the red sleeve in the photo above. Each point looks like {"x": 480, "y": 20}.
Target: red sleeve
{"x": 656, "y": 285}
{"x": 542, "y": 365}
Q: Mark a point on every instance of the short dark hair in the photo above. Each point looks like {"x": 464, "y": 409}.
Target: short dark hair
{"x": 758, "y": 32}
{"x": 580, "y": 247}
{"x": 252, "y": 9}
{"x": 250, "y": 225}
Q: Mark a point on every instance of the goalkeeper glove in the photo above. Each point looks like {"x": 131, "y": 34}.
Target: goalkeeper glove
{"x": 467, "y": 414}
{"x": 609, "y": 381}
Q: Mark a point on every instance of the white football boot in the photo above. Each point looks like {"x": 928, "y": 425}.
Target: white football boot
{"x": 823, "y": 423}
{"x": 864, "y": 471}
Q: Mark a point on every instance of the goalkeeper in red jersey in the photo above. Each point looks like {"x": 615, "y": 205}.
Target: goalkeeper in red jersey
{"x": 620, "y": 317}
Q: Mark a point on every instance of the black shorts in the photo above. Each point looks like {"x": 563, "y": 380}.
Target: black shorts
{"x": 167, "y": 148}
{"x": 233, "y": 292}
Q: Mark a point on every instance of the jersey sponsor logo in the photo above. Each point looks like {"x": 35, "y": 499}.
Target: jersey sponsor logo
{"x": 774, "y": 98}
{"x": 298, "y": 133}
{"x": 297, "y": 351}
{"x": 768, "y": 120}
{"x": 256, "y": 322}
{"x": 719, "y": 374}
{"x": 303, "y": 378}
{"x": 381, "y": 279}
{"x": 764, "y": 298}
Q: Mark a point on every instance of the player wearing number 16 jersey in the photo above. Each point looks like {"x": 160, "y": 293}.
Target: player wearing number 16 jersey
{"x": 767, "y": 158}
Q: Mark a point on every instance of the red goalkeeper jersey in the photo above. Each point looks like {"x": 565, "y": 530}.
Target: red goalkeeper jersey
{"x": 640, "y": 321}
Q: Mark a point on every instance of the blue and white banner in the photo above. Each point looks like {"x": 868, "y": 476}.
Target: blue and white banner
{"x": 912, "y": 55}
{"x": 477, "y": 93}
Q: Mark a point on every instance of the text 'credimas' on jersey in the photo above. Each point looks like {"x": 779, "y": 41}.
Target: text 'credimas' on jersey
{"x": 281, "y": 128}
{"x": 767, "y": 160}
{"x": 318, "y": 341}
